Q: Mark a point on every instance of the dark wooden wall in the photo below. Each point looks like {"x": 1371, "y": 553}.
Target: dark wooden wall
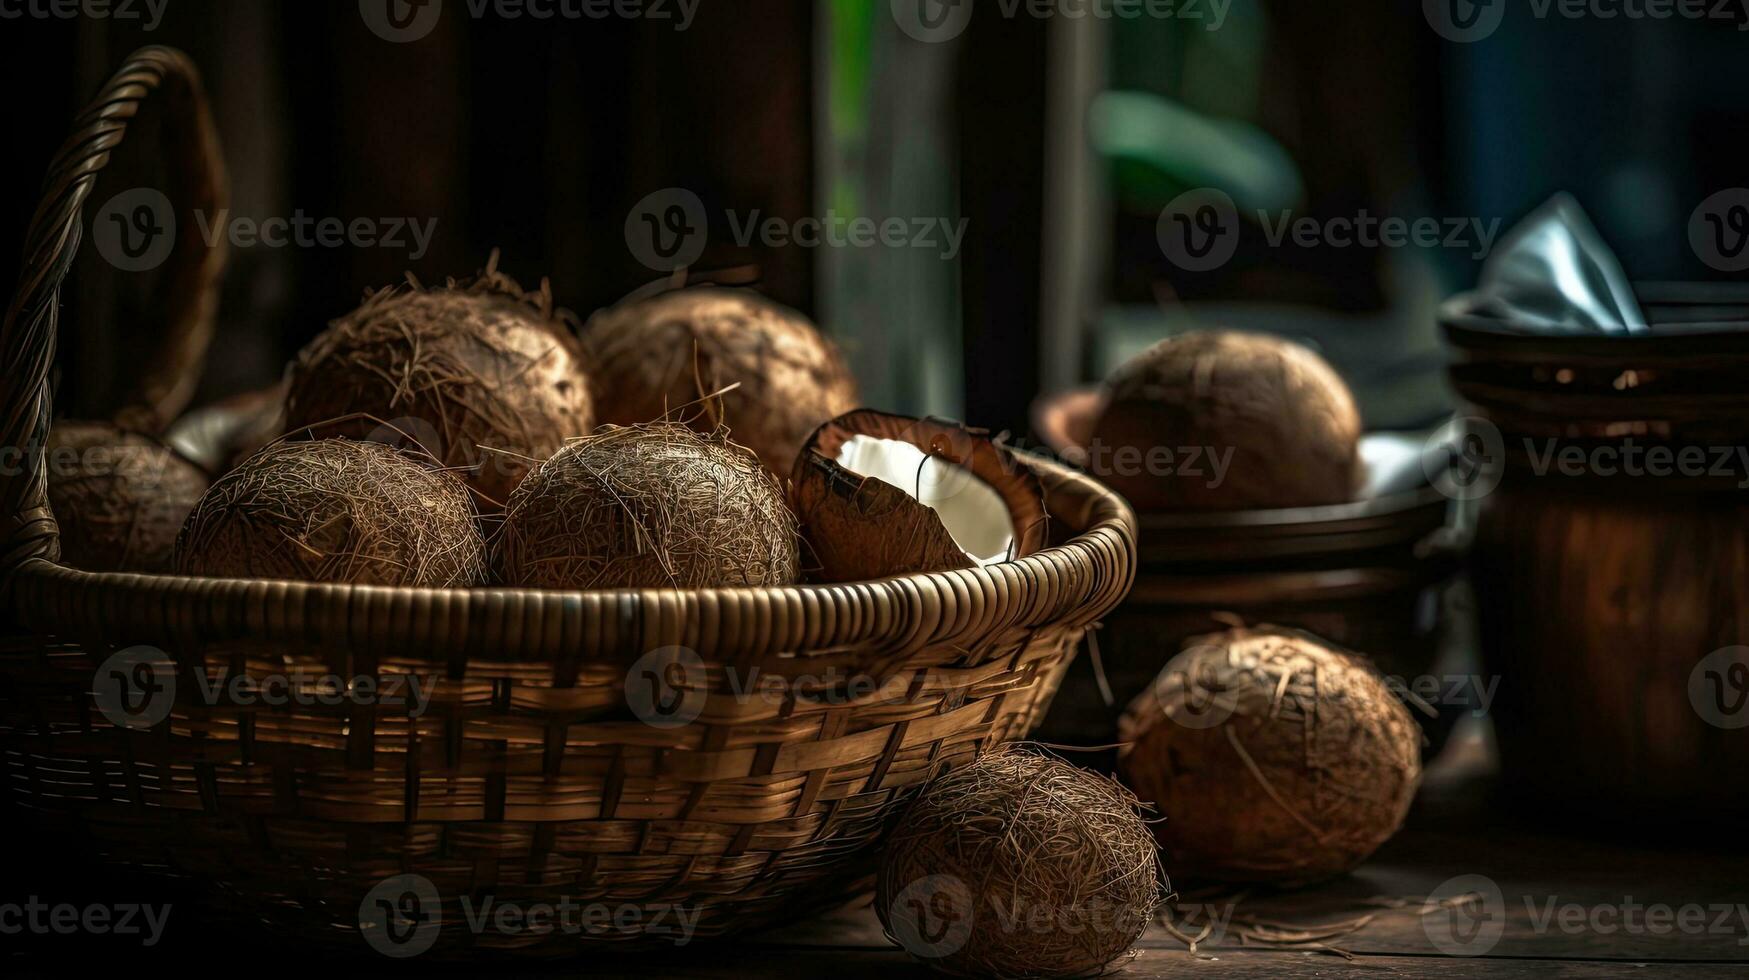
{"x": 536, "y": 137}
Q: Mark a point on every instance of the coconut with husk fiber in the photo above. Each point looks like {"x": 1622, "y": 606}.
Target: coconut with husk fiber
{"x": 882, "y": 495}
{"x": 1019, "y": 865}
{"x": 648, "y": 506}
{"x": 652, "y": 357}
{"x": 1282, "y": 418}
{"x": 334, "y": 510}
{"x": 491, "y": 373}
{"x": 119, "y": 497}
{"x": 1272, "y": 756}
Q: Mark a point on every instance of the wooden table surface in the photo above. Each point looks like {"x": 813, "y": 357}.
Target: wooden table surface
{"x": 1553, "y": 905}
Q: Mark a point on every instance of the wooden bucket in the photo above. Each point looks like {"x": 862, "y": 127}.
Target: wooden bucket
{"x": 529, "y": 776}
{"x": 1612, "y": 605}
{"x": 1370, "y": 576}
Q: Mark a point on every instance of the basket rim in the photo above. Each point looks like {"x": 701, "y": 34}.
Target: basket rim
{"x": 1478, "y": 333}
{"x": 1074, "y": 583}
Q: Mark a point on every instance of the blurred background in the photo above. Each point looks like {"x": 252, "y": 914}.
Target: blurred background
{"x": 1050, "y": 136}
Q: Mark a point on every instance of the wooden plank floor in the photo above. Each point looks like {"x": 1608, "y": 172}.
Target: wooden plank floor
{"x": 1554, "y": 905}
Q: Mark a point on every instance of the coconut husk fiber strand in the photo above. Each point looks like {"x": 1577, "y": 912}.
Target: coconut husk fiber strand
{"x": 651, "y": 356}
{"x": 648, "y": 506}
{"x": 334, "y": 510}
{"x": 1193, "y": 926}
{"x": 1285, "y": 416}
{"x": 120, "y": 497}
{"x": 1035, "y": 867}
{"x": 489, "y": 372}
{"x": 1272, "y": 756}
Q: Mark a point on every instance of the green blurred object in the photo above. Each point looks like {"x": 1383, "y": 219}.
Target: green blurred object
{"x": 1159, "y": 149}
{"x": 886, "y": 149}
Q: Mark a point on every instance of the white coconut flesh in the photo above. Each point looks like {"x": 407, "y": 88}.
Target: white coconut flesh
{"x": 971, "y": 510}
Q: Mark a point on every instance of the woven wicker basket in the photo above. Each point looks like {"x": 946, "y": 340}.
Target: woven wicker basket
{"x": 528, "y": 777}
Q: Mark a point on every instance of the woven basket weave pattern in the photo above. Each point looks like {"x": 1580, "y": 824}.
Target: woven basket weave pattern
{"x": 527, "y": 776}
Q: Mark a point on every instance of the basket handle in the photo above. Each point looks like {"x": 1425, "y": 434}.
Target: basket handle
{"x": 191, "y": 278}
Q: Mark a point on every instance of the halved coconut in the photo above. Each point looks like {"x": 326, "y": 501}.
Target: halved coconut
{"x": 881, "y": 495}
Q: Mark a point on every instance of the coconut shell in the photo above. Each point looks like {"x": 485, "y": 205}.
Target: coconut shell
{"x": 662, "y": 355}
{"x": 120, "y": 497}
{"x": 491, "y": 373}
{"x": 650, "y": 506}
{"x": 1019, "y": 865}
{"x": 1287, "y": 417}
{"x": 334, "y": 510}
{"x": 1272, "y": 756}
{"x": 860, "y": 527}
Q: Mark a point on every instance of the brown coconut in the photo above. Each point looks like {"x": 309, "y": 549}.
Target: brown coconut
{"x": 1287, "y": 417}
{"x": 648, "y": 506}
{"x": 491, "y": 373}
{"x": 881, "y": 495}
{"x": 662, "y": 355}
{"x": 120, "y": 497}
{"x": 1272, "y": 756}
{"x": 334, "y": 510}
{"x": 1019, "y": 865}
